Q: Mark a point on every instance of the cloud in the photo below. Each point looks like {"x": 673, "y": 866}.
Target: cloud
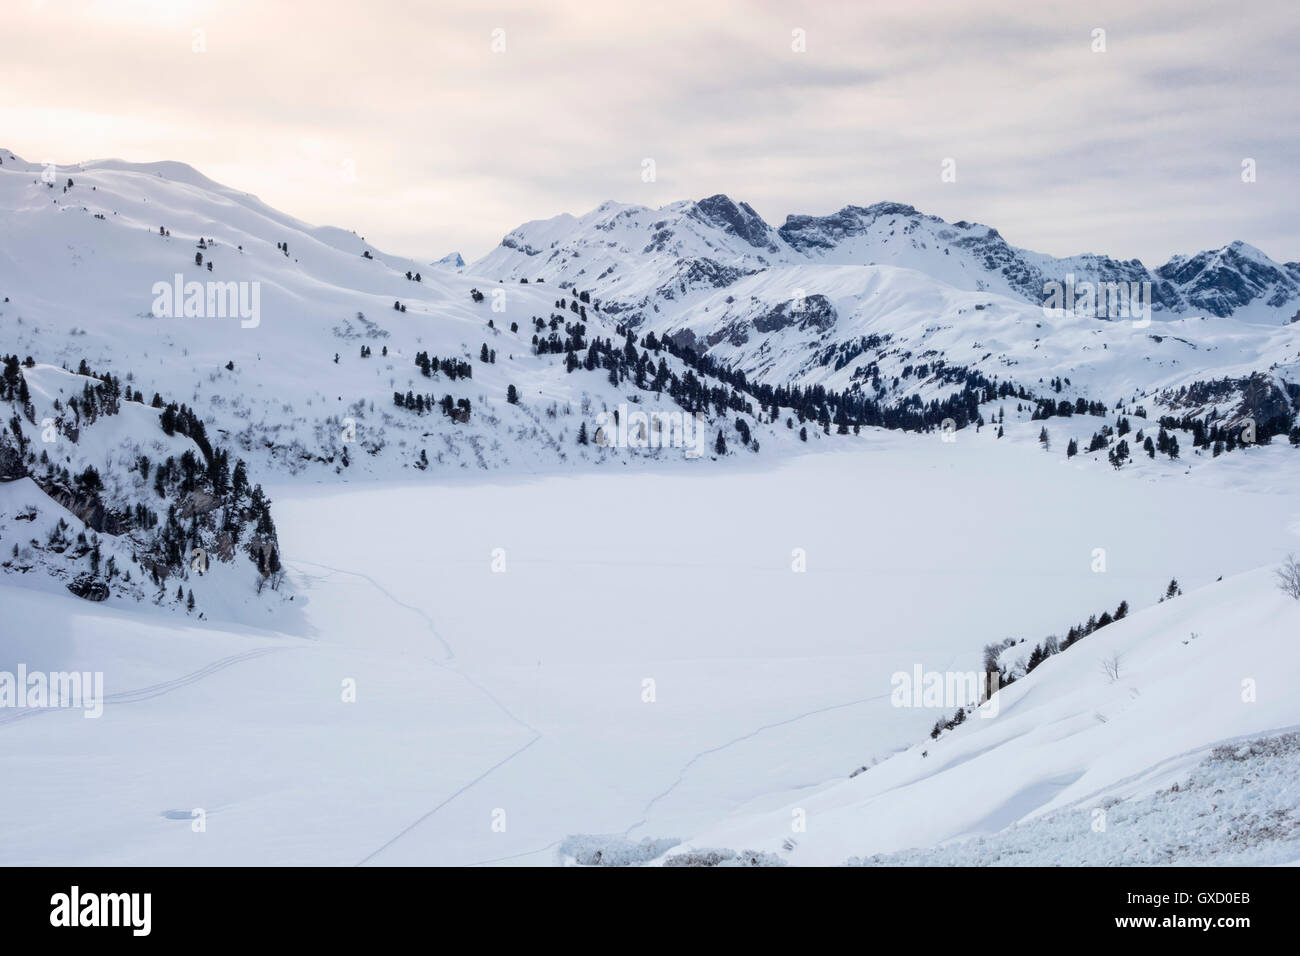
{"x": 1135, "y": 151}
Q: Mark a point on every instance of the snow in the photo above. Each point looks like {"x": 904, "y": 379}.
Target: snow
{"x": 522, "y": 691}
{"x": 1237, "y": 807}
{"x": 1208, "y": 667}
{"x": 578, "y": 655}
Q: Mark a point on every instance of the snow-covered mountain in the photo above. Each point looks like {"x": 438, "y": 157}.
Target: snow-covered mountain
{"x": 183, "y": 365}
{"x": 615, "y": 240}
{"x": 892, "y": 304}
{"x": 451, "y": 260}
{"x": 300, "y": 350}
{"x": 304, "y": 350}
{"x": 967, "y": 255}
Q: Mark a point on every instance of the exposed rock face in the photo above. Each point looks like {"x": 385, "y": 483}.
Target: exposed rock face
{"x": 1270, "y": 403}
{"x": 814, "y": 312}
{"x": 89, "y": 587}
{"x": 736, "y": 333}
{"x": 684, "y": 339}
{"x": 1264, "y": 402}
{"x": 89, "y": 508}
{"x": 1219, "y": 281}
{"x": 824, "y": 232}
{"x": 1215, "y": 282}
{"x": 737, "y": 219}
{"x": 511, "y": 242}
{"x": 11, "y": 461}
{"x": 699, "y": 273}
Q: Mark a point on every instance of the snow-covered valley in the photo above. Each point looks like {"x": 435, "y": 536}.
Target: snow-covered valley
{"x": 498, "y": 637}
{"x": 373, "y": 573}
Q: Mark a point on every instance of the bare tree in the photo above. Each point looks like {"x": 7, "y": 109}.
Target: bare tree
{"x": 1110, "y": 667}
{"x": 1288, "y": 576}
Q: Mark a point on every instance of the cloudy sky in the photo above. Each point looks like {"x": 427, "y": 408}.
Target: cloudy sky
{"x": 429, "y": 127}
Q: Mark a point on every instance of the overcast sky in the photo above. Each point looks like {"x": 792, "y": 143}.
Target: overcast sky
{"x": 398, "y": 119}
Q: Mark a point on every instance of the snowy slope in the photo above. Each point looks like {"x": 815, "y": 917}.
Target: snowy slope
{"x": 1239, "y": 806}
{"x": 77, "y": 286}
{"x": 1211, "y": 667}
{"x": 301, "y": 342}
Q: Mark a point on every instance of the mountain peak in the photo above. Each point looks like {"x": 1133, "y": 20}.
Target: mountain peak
{"x": 738, "y": 219}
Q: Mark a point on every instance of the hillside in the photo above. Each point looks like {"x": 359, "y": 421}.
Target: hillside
{"x": 1067, "y": 768}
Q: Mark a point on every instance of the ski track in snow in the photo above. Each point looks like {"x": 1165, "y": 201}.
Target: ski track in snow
{"x": 681, "y": 774}
{"x": 517, "y": 856}
{"x": 433, "y": 628}
{"x": 537, "y": 735}
{"x": 449, "y": 663}
{"x": 157, "y": 690}
{"x": 500, "y": 763}
{"x": 450, "y": 660}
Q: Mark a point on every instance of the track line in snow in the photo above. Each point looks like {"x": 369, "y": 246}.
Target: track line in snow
{"x": 516, "y": 856}
{"x": 433, "y": 628}
{"x": 156, "y": 690}
{"x": 450, "y": 663}
{"x": 681, "y": 774}
{"x": 424, "y": 816}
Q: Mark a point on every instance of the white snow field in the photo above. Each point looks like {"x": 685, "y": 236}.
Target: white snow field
{"x": 499, "y": 711}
